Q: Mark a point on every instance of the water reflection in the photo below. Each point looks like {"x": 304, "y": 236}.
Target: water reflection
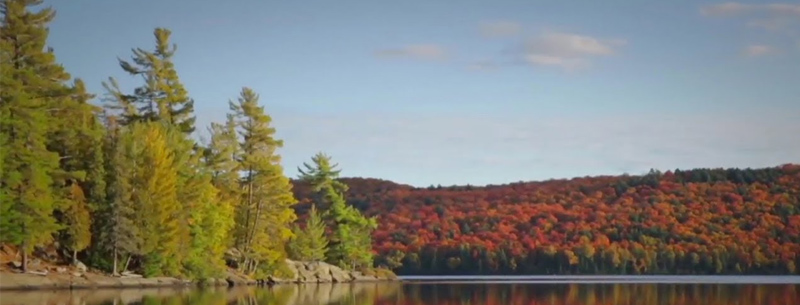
{"x": 429, "y": 294}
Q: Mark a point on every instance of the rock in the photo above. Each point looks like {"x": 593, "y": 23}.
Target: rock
{"x": 81, "y": 267}
{"x": 42, "y": 273}
{"x": 15, "y": 264}
{"x": 77, "y": 274}
{"x": 7, "y": 249}
{"x": 34, "y": 263}
{"x": 360, "y": 277}
{"x": 232, "y": 257}
{"x": 131, "y": 276}
{"x": 235, "y": 279}
{"x": 61, "y": 269}
{"x": 340, "y": 276}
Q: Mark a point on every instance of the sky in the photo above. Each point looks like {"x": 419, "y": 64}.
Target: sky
{"x": 475, "y": 92}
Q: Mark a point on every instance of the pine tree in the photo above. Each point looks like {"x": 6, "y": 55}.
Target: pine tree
{"x": 77, "y": 136}
{"x": 350, "y": 241}
{"x": 222, "y": 161}
{"x": 32, "y": 85}
{"x": 77, "y": 221}
{"x": 116, "y": 221}
{"x": 265, "y": 213}
{"x": 310, "y": 243}
{"x": 163, "y": 99}
{"x": 163, "y": 96}
{"x": 155, "y": 195}
{"x": 321, "y": 175}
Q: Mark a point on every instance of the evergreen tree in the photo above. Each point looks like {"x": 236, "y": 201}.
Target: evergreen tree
{"x": 310, "y": 244}
{"x": 222, "y": 161}
{"x": 32, "y": 85}
{"x": 77, "y": 136}
{"x": 265, "y": 213}
{"x": 322, "y": 175}
{"x": 116, "y": 221}
{"x": 211, "y": 220}
{"x": 77, "y": 221}
{"x": 350, "y": 241}
{"x": 155, "y": 195}
{"x": 163, "y": 96}
{"x": 163, "y": 99}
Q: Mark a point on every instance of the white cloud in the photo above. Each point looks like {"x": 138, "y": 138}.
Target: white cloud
{"x": 500, "y": 28}
{"x": 758, "y": 50}
{"x": 420, "y": 51}
{"x": 567, "y": 50}
{"x": 460, "y": 149}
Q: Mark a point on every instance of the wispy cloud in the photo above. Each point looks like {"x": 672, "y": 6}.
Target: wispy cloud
{"x": 483, "y": 65}
{"x": 758, "y": 50}
{"x": 500, "y": 28}
{"x": 433, "y": 149}
{"x": 419, "y": 51}
{"x": 768, "y": 16}
{"x": 725, "y": 9}
{"x": 735, "y": 8}
{"x": 567, "y": 50}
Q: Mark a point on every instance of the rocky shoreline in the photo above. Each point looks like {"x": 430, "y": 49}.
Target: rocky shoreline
{"x": 304, "y": 272}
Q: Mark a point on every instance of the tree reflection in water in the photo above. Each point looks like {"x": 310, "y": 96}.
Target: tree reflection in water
{"x": 428, "y": 294}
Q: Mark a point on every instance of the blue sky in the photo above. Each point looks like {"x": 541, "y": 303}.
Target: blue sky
{"x": 480, "y": 92}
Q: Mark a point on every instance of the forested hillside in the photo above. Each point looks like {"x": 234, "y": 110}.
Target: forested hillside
{"x": 703, "y": 221}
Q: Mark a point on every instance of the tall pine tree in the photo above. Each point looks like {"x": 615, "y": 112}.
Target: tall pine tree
{"x": 266, "y": 210}
{"x": 116, "y": 221}
{"x": 155, "y": 195}
{"x": 32, "y": 86}
{"x": 163, "y": 96}
{"x": 351, "y": 237}
{"x": 77, "y": 136}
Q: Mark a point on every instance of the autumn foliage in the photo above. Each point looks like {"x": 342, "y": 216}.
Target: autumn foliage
{"x": 702, "y": 221}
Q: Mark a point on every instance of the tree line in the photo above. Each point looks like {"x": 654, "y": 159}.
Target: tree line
{"x": 125, "y": 186}
{"x": 701, "y": 221}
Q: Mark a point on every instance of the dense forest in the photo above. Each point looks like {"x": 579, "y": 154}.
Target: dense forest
{"x": 702, "y": 221}
{"x": 119, "y": 181}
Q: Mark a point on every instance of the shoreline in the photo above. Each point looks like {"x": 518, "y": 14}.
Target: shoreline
{"x": 304, "y": 273}
{"x": 10, "y": 281}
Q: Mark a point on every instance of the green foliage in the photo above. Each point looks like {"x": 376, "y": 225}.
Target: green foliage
{"x": 154, "y": 184}
{"x": 265, "y": 213}
{"x": 32, "y": 85}
{"x": 116, "y": 220}
{"x": 350, "y": 241}
{"x": 78, "y": 220}
{"x": 162, "y": 97}
{"x": 310, "y": 243}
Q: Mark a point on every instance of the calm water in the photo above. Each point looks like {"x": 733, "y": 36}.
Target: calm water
{"x": 447, "y": 290}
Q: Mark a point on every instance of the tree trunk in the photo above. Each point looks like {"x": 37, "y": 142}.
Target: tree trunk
{"x": 128, "y": 261}
{"x": 25, "y": 257}
{"x": 114, "y": 268}
{"x": 75, "y": 257}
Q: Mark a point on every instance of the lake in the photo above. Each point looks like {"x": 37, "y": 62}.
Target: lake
{"x": 502, "y": 290}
